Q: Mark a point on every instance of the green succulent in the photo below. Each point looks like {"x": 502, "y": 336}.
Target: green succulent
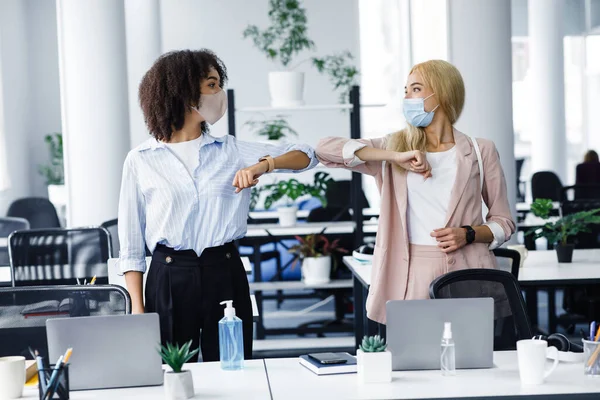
{"x": 373, "y": 344}
{"x": 175, "y": 356}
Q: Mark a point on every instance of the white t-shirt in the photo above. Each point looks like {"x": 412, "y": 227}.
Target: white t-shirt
{"x": 428, "y": 200}
{"x": 188, "y": 153}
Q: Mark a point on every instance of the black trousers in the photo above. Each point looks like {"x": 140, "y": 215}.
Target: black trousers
{"x": 185, "y": 290}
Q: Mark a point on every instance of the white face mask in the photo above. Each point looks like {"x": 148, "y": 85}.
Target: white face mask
{"x": 213, "y": 107}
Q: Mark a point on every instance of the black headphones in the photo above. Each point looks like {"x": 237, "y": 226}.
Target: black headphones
{"x": 561, "y": 342}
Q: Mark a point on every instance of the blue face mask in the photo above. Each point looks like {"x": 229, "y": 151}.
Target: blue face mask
{"x": 415, "y": 114}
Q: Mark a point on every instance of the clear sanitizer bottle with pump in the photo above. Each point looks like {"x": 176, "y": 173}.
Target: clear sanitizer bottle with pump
{"x": 447, "y": 353}
{"x": 231, "y": 339}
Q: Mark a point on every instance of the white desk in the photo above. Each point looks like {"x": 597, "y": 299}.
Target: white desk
{"x": 543, "y": 268}
{"x": 263, "y": 230}
{"x": 210, "y": 382}
{"x": 258, "y": 215}
{"x": 289, "y": 380}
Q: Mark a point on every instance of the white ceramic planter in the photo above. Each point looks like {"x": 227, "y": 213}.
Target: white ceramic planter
{"x": 286, "y": 88}
{"x": 316, "y": 270}
{"x": 179, "y": 386}
{"x": 287, "y": 215}
{"x": 374, "y": 367}
{"x": 57, "y": 194}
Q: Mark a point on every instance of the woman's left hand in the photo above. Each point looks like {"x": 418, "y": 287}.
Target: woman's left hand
{"x": 248, "y": 177}
{"x": 450, "y": 239}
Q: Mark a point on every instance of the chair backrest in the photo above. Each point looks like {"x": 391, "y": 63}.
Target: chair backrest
{"x": 587, "y": 174}
{"x": 546, "y": 185}
{"x": 511, "y": 322}
{"x": 338, "y": 194}
{"x": 7, "y": 226}
{"x": 24, "y": 311}
{"x": 39, "y": 211}
{"x": 59, "y": 256}
{"x": 512, "y": 256}
{"x": 112, "y": 227}
{"x": 583, "y": 240}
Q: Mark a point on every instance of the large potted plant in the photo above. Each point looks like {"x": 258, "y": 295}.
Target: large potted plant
{"x": 54, "y": 174}
{"x": 291, "y": 190}
{"x": 315, "y": 252}
{"x": 273, "y": 129}
{"x": 284, "y": 38}
{"x": 179, "y": 384}
{"x": 374, "y": 361}
{"x": 558, "y": 230}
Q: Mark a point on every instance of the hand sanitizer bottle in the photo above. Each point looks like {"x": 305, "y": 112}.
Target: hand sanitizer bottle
{"x": 447, "y": 356}
{"x": 231, "y": 339}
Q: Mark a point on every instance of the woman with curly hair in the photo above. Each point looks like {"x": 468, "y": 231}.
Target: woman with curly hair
{"x": 183, "y": 197}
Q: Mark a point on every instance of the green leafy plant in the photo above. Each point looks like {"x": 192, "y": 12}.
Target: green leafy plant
{"x": 292, "y": 190}
{"x": 286, "y": 35}
{"x": 561, "y": 229}
{"x": 55, "y": 172}
{"x": 274, "y": 128}
{"x": 255, "y": 196}
{"x": 315, "y": 246}
{"x": 175, "y": 356}
{"x": 342, "y": 74}
{"x": 373, "y": 344}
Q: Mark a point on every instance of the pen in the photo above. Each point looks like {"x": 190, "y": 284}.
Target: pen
{"x": 597, "y": 335}
{"x": 85, "y": 281}
{"x": 40, "y": 367}
{"x": 592, "y": 330}
{"x": 53, "y": 385}
{"x": 49, "y": 391}
{"x": 93, "y": 280}
{"x": 79, "y": 283}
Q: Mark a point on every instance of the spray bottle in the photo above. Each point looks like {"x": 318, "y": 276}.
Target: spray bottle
{"x": 231, "y": 339}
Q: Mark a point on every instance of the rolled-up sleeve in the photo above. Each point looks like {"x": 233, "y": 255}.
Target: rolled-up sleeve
{"x": 132, "y": 221}
{"x": 499, "y": 218}
{"x": 339, "y": 152}
{"x": 251, "y": 152}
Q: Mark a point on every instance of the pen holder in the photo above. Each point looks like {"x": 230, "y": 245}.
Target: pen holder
{"x": 591, "y": 358}
{"x": 61, "y": 384}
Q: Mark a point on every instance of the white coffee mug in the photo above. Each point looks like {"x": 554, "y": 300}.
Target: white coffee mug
{"x": 12, "y": 377}
{"x": 532, "y": 356}
{"x": 522, "y": 252}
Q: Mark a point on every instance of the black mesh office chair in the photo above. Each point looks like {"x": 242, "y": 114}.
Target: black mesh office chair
{"x": 511, "y": 322}
{"x": 546, "y": 185}
{"x": 59, "y": 256}
{"x": 24, "y": 311}
{"x": 512, "y": 256}
{"x": 39, "y": 211}
{"x": 7, "y": 226}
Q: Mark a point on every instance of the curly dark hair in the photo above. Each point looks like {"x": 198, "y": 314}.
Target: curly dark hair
{"x": 172, "y": 85}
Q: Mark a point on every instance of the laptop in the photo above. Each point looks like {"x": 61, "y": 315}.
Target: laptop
{"x": 414, "y": 332}
{"x": 108, "y": 351}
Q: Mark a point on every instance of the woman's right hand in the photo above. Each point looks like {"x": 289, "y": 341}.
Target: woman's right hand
{"x": 414, "y": 161}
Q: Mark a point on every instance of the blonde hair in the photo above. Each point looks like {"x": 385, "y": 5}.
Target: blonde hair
{"x": 446, "y": 82}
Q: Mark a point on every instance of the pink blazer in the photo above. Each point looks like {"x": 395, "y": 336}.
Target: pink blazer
{"x": 391, "y": 259}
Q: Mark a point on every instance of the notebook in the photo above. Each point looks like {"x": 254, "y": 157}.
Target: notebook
{"x": 330, "y": 369}
{"x": 47, "y": 308}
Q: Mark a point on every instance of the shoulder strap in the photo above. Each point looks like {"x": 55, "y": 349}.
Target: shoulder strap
{"x": 479, "y": 161}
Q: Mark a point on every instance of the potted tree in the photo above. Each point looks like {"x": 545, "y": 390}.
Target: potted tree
{"x": 273, "y": 129}
{"x": 374, "y": 362}
{"x": 54, "y": 174}
{"x": 291, "y": 190}
{"x": 558, "y": 231}
{"x": 285, "y": 37}
{"x": 342, "y": 74}
{"x": 315, "y": 252}
{"x": 178, "y": 384}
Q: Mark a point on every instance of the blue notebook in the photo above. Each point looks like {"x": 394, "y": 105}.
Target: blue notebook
{"x": 330, "y": 369}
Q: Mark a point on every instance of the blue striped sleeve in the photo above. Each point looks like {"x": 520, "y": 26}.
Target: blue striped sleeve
{"x": 252, "y": 151}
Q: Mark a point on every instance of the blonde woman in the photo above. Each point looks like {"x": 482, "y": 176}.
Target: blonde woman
{"x": 429, "y": 180}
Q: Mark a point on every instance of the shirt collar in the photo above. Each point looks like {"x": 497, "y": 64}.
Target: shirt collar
{"x": 154, "y": 144}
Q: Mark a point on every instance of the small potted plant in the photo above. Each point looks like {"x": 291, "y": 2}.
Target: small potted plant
{"x": 178, "y": 384}
{"x": 558, "y": 231}
{"x": 315, "y": 252}
{"x": 273, "y": 129}
{"x": 54, "y": 174}
{"x": 342, "y": 74}
{"x": 290, "y": 191}
{"x": 284, "y": 38}
{"x": 374, "y": 362}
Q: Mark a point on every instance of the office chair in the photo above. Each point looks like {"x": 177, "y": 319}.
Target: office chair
{"x": 7, "y": 226}
{"x": 39, "y": 211}
{"x": 587, "y": 178}
{"x": 59, "y": 256}
{"x": 511, "y": 322}
{"x": 24, "y": 311}
{"x": 546, "y": 185}
{"x": 512, "y": 256}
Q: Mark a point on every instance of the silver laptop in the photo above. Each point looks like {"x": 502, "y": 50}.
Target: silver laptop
{"x": 108, "y": 351}
{"x": 414, "y": 332}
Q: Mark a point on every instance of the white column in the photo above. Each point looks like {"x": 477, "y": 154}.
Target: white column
{"x": 593, "y": 123}
{"x": 93, "y": 83}
{"x": 143, "y": 31}
{"x": 479, "y": 45}
{"x": 546, "y": 90}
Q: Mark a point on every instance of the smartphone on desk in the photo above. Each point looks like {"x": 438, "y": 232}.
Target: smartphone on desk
{"x": 328, "y": 358}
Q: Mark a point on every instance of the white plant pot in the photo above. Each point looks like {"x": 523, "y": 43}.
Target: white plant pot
{"x": 179, "y": 386}
{"x": 374, "y": 367}
{"x": 286, "y": 88}
{"x": 57, "y": 194}
{"x": 287, "y": 216}
{"x": 316, "y": 270}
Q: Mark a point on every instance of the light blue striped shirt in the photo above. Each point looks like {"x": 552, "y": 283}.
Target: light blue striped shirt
{"x": 161, "y": 203}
